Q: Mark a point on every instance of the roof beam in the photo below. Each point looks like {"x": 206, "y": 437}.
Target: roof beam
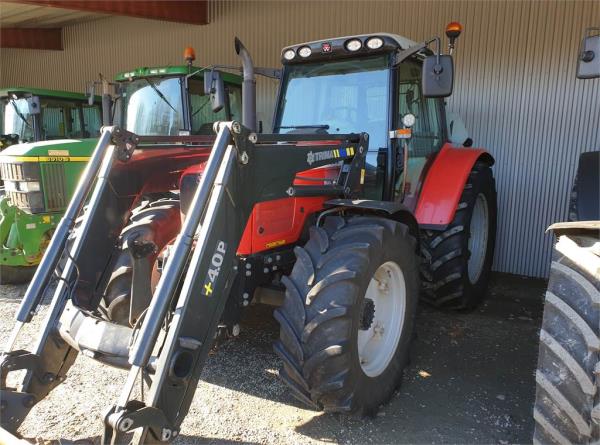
{"x": 31, "y": 38}
{"x": 194, "y": 12}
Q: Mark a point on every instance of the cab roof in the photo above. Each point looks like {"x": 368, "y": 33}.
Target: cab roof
{"x": 335, "y": 47}
{"x": 58, "y": 94}
{"x": 174, "y": 70}
{"x": 402, "y": 42}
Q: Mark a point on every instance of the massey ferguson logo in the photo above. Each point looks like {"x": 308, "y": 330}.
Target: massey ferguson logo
{"x": 319, "y": 156}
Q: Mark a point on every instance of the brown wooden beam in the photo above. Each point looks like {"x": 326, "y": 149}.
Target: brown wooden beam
{"x": 193, "y": 11}
{"x": 31, "y": 38}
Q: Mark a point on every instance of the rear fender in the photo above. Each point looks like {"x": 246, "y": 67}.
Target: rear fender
{"x": 388, "y": 209}
{"x": 585, "y": 196}
{"x": 444, "y": 184}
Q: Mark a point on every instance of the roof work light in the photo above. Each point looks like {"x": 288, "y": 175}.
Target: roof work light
{"x": 453, "y": 30}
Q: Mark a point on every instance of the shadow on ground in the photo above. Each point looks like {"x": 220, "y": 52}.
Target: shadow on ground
{"x": 471, "y": 377}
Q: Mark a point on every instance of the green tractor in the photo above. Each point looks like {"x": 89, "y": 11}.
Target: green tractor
{"x": 35, "y": 114}
{"x": 45, "y": 139}
{"x": 41, "y": 177}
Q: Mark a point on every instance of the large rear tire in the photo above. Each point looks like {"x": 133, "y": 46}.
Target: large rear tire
{"x": 157, "y": 222}
{"x": 457, "y": 262}
{"x": 567, "y": 404}
{"x": 348, "y": 314}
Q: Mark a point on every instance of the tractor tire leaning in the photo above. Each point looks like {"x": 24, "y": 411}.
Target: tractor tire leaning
{"x": 567, "y": 404}
{"x": 157, "y": 222}
{"x": 455, "y": 269}
{"x": 326, "y": 312}
{"x": 16, "y": 275}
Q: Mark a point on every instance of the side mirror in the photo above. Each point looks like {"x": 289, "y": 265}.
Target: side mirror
{"x": 588, "y": 62}
{"x": 437, "y": 77}
{"x": 33, "y": 105}
{"x": 90, "y": 92}
{"x": 214, "y": 86}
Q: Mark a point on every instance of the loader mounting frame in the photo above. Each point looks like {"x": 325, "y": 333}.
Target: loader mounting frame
{"x": 243, "y": 169}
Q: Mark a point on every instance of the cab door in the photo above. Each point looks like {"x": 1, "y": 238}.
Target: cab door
{"x": 428, "y": 133}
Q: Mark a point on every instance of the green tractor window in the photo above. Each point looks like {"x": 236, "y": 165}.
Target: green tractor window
{"x": 201, "y": 111}
{"x": 17, "y": 119}
{"x": 67, "y": 120}
{"x": 153, "y": 106}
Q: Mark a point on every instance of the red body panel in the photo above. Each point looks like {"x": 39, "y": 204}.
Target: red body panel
{"x": 279, "y": 222}
{"x": 444, "y": 184}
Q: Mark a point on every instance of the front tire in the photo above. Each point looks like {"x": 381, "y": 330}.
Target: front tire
{"x": 331, "y": 314}
{"x": 157, "y": 222}
{"x": 567, "y": 404}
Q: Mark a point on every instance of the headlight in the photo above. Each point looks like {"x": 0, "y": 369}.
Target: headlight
{"x": 305, "y": 51}
{"x": 374, "y": 43}
{"x": 289, "y": 54}
{"x": 353, "y": 45}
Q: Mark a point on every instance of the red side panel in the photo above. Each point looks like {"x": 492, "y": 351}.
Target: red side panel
{"x": 280, "y": 222}
{"x": 444, "y": 184}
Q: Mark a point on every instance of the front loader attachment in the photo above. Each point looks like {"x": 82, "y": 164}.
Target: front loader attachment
{"x": 180, "y": 323}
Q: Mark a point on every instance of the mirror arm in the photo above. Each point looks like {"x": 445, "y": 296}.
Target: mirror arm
{"x": 401, "y": 56}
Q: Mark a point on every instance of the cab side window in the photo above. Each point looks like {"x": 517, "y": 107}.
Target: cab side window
{"x": 427, "y": 131}
{"x": 427, "y": 134}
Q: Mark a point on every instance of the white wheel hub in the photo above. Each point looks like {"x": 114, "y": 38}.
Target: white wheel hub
{"x": 378, "y": 341}
{"x": 478, "y": 239}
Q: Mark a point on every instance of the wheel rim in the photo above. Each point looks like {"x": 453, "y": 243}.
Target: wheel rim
{"x": 478, "y": 238}
{"x": 383, "y": 319}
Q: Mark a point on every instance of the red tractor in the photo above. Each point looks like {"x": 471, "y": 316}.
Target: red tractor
{"x": 357, "y": 198}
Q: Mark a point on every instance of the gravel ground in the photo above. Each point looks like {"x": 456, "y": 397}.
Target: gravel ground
{"x": 471, "y": 380}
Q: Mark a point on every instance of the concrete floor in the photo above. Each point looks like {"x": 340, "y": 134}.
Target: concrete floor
{"x": 471, "y": 380}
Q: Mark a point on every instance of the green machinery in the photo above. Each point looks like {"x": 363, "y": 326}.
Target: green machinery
{"x": 35, "y": 114}
{"x": 40, "y": 176}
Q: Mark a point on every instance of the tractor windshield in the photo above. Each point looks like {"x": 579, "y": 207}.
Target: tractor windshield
{"x": 153, "y": 106}
{"x": 343, "y": 96}
{"x": 17, "y": 120}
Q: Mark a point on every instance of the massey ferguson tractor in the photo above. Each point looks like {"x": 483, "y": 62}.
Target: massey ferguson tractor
{"x": 567, "y": 404}
{"x": 40, "y": 178}
{"x": 355, "y": 197}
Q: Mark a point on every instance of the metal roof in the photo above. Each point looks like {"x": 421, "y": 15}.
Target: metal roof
{"x": 44, "y": 92}
{"x": 19, "y": 15}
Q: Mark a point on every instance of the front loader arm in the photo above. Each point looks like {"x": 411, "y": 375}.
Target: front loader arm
{"x": 180, "y": 323}
{"x": 252, "y": 168}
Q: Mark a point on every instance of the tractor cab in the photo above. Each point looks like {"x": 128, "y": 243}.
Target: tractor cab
{"x": 33, "y": 115}
{"x": 383, "y": 84}
{"x": 173, "y": 101}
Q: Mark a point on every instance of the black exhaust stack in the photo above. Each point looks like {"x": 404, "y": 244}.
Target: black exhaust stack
{"x": 248, "y": 87}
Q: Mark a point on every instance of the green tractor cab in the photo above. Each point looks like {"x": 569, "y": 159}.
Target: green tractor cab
{"x": 40, "y": 176}
{"x": 35, "y": 114}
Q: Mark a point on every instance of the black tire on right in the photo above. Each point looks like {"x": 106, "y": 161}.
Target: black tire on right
{"x": 324, "y": 307}
{"x": 444, "y": 269}
{"x": 567, "y": 405}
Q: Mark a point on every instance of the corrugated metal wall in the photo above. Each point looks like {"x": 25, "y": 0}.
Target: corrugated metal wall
{"x": 516, "y": 86}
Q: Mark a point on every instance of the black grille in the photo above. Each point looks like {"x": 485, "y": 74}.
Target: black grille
{"x": 54, "y": 186}
{"x": 11, "y": 172}
{"x": 20, "y": 171}
{"x": 32, "y": 202}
